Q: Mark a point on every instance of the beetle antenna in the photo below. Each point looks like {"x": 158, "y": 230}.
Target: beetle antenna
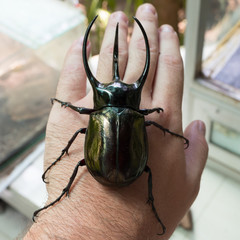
{"x": 90, "y": 76}
{"x": 140, "y": 82}
{"x": 115, "y": 57}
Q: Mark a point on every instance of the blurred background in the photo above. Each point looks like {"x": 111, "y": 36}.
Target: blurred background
{"x": 34, "y": 39}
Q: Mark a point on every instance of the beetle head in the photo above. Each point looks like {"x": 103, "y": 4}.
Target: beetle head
{"x": 116, "y": 93}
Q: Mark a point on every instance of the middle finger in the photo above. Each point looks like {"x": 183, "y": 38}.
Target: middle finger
{"x": 147, "y": 15}
{"x": 104, "y": 70}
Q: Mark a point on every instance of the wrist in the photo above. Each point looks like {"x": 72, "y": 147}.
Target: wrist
{"x": 94, "y": 211}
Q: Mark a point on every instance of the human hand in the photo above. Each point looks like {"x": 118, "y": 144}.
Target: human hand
{"x": 94, "y": 211}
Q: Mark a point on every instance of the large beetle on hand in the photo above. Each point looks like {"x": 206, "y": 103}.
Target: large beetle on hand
{"x": 116, "y": 147}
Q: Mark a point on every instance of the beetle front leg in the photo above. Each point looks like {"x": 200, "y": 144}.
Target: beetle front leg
{"x": 65, "y": 190}
{"x": 149, "y": 123}
{"x": 151, "y": 199}
{"x": 148, "y": 111}
{"x": 65, "y": 150}
{"x": 80, "y": 110}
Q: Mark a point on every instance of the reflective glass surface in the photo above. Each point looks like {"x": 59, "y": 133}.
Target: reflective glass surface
{"x": 221, "y": 51}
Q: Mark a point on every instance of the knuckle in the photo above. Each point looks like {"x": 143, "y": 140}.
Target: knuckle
{"x": 107, "y": 51}
{"x": 141, "y": 46}
{"x": 122, "y": 52}
{"x": 174, "y": 62}
{"x": 71, "y": 72}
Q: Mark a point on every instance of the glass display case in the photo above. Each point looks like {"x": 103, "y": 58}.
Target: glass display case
{"x": 212, "y": 77}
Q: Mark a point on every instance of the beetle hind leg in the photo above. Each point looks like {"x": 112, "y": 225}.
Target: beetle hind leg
{"x": 65, "y": 150}
{"x": 151, "y": 199}
{"x": 149, "y": 123}
{"x": 65, "y": 191}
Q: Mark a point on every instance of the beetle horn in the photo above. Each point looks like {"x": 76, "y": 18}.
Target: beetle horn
{"x": 90, "y": 76}
{"x": 140, "y": 82}
{"x": 115, "y": 57}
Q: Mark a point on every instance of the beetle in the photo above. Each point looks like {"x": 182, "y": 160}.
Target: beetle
{"x": 116, "y": 147}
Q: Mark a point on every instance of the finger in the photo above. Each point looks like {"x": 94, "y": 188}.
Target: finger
{"x": 72, "y": 82}
{"x": 197, "y": 152}
{"x": 168, "y": 85}
{"x": 147, "y": 15}
{"x": 104, "y": 70}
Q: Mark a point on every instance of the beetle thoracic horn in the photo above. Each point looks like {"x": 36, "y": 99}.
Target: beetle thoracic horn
{"x": 90, "y": 76}
{"x": 115, "y": 57}
{"x": 140, "y": 82}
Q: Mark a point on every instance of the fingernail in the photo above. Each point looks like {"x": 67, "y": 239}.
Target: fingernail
{"x": 166, "y": 28}
{"x": 148, "y": 8}
{"x": 201, "y": 127}
{"x": 119, "y": 16}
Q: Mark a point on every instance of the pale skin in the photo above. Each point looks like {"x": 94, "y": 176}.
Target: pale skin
{"x": 94, "y": 211}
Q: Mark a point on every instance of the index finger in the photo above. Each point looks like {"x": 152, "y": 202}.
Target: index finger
{"x": 72, "y": 82}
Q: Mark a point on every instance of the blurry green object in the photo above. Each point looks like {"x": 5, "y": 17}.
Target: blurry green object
{"x": 128, "y": 6}
{"x": 103, "y": 8}
{"x": 225, "y": 137}
{"x": 131, "y": 7}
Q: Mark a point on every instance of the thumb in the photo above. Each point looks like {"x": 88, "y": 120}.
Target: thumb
{"x": 197, "y": 152}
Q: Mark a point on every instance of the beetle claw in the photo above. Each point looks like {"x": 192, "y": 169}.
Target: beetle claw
{"x": 45, "y": 181}
{"x": 66, "y": 191}
{"x": 150, "y": 199}
{"x": 148, "y": 202}
{"x": 186, "y": 143}
{"x": 160, "y": 110}
{"x": 33, "y": 218}
{"x": 44, "y": 178}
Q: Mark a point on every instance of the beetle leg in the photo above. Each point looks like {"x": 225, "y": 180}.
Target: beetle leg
{"x": 151, "y": 198}
{"x": 65, "y": 150}
{"x": 149, "y": 123}
{"x": 64, "y": 191}
{"x": 148, "y": 111}
{"x": 80, "y": 110}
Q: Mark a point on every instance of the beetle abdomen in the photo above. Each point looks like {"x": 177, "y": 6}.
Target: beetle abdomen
{"x": 116, "y": 145}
